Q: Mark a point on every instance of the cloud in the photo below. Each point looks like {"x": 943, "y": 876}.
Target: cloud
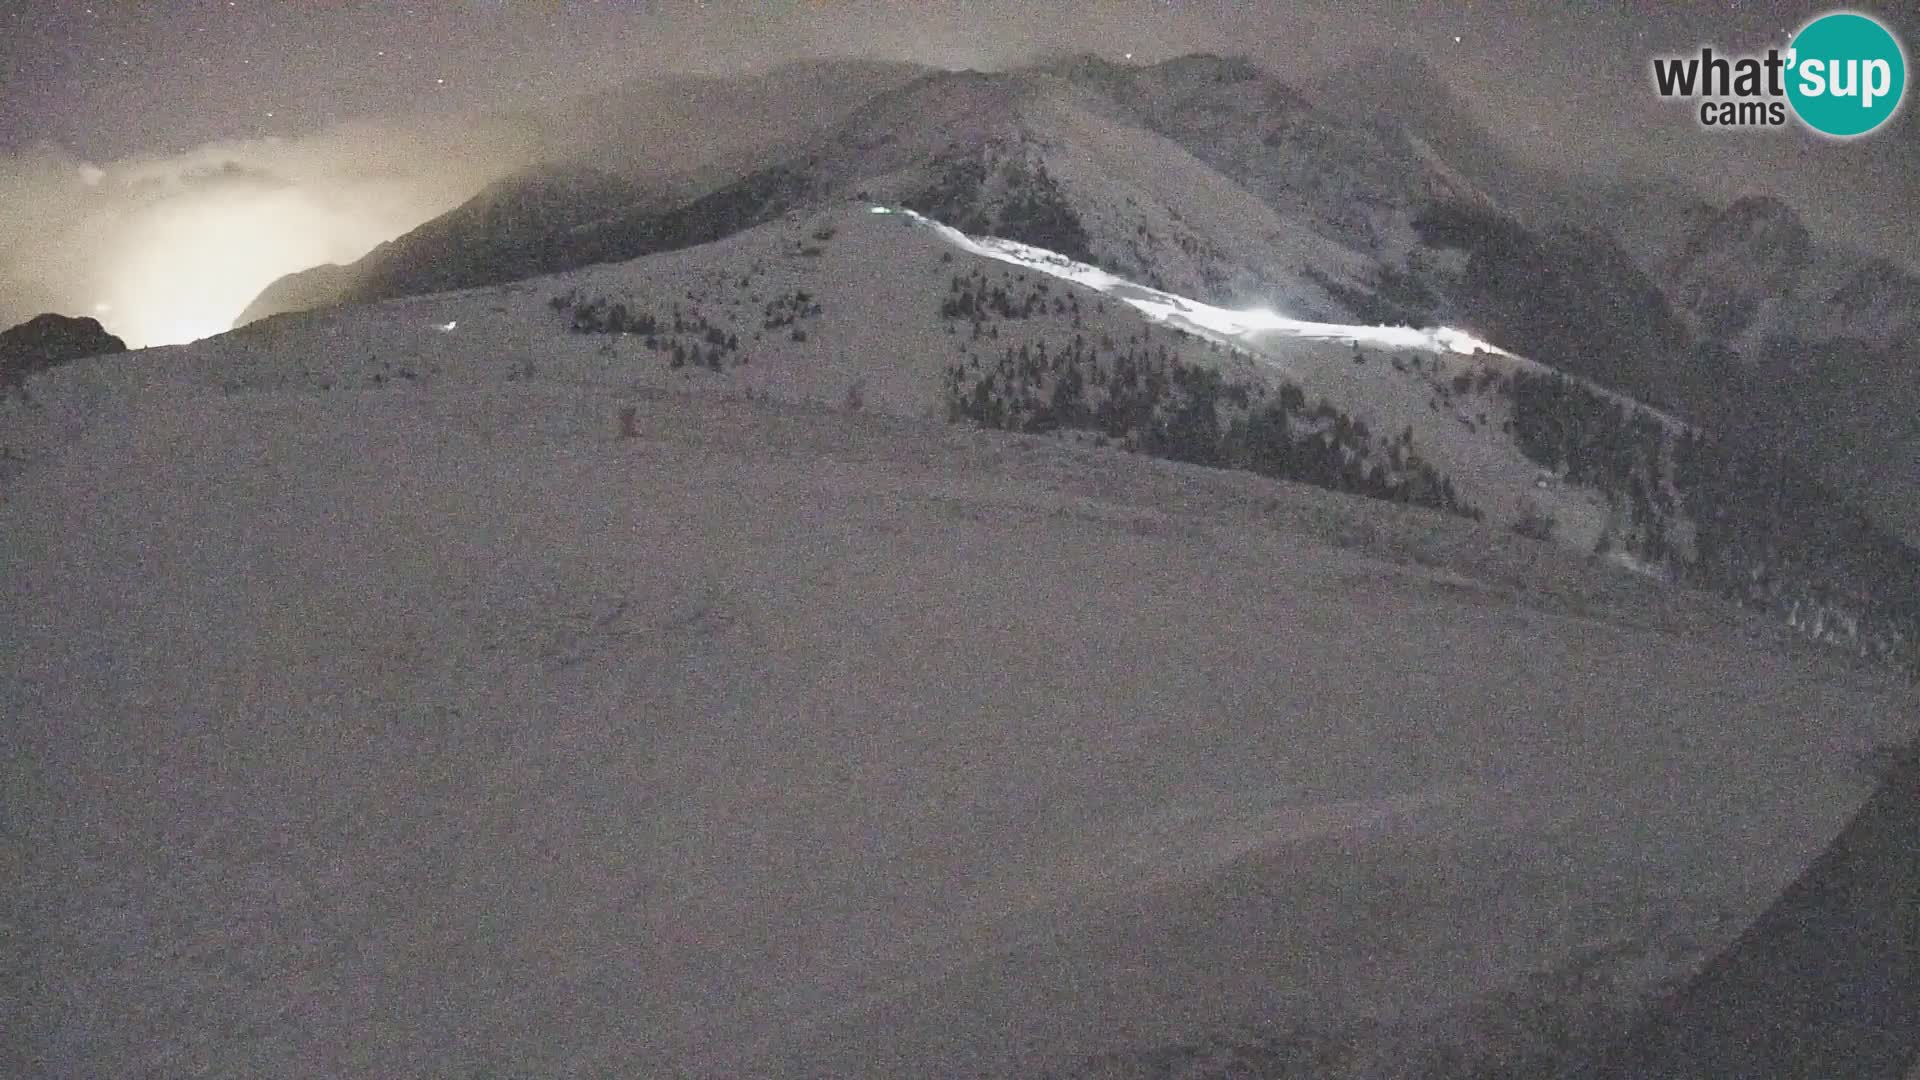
{"x": 167, "y": 248}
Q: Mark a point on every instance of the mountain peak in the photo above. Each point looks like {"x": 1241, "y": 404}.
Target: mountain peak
{"x": 1763, "y": 226}
{"x": 1754, "y": 214}
{"x": 1372, "y": 74}
{"x": 1212, "y": 67}
{"x": 1190, "y": 69}
{"x": 1740, "y": 261}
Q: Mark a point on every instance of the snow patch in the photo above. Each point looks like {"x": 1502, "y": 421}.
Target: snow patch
{"x": 1239, "y": 326}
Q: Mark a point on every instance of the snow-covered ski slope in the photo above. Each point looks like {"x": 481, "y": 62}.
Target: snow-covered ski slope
{"x": 877, "y": 286}
{"x": 1483, "y": 461}
{"x": 1257, "y": 330}
{"x": 440, "y": 731}
{"x": 372, "y": 708}
{"x": 1244, "y": 327}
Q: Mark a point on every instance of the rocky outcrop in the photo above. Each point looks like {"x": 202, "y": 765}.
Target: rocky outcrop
{"x": 1752, "y": 253}
{"x": 47, "y": 341}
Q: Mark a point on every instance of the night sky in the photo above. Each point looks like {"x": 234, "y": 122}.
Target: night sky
{"x": 108, "y": 80}
{"x": 101, "y": 83}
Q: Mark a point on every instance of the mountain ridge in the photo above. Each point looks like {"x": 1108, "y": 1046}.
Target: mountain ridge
{"x": 1363, "y": 410}
{"x": 1212, "y": 178}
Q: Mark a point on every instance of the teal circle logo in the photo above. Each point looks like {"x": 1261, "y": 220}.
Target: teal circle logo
{"x": 1847, "y": 74}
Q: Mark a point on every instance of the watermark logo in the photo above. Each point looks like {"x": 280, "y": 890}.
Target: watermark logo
{"x": 1844, "y": 75}
{"x": 1852, "y": 74}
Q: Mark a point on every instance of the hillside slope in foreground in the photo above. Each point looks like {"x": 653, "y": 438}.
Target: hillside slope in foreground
{"x": 409, "y": 733}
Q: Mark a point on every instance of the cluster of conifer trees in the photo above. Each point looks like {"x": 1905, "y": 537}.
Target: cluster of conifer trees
{"x": 998, "y": 193}
{"x": 1141, "y": 397}
{"x": 1763, "y": 532}
{"x": 685, "y": 339}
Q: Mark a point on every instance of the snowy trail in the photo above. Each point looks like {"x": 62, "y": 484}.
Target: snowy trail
{"x": 1243, "y": 327}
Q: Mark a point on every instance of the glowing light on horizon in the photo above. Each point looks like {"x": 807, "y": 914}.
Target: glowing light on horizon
{"x": 183, "y": 331}
{"x": 185, "y": 268}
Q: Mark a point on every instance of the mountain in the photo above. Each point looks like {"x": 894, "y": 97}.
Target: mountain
{"x": 843, "y": 304}
{"x": 1214, "y": 180}
{"x": 1405, "y": 97}
{"x": 640, "y": 668}
{"x": 47, "y": 341}
{"x": 1737, "y": 264}
{"x": 1752, "y": 273}
{"x": 1135, "y": 151}
{"x": 1821, "y": 340}
{"x": 634, "y": 150}
{"x": 303, "y": 290}
{"x": 1652, "y": 218}
{"x": 1185, "y": 572}
{"x": 1735, "y": 315}
{"x": 523, "y": 218}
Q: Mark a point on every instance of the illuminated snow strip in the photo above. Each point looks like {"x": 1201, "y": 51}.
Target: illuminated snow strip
{"x": 1164, "y": 306}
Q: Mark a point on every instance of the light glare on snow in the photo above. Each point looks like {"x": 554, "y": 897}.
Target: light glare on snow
{"x": 1247, "y": 324}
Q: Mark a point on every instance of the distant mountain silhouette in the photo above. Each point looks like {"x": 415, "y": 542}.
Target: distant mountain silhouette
{"x": 50, "y": 340}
